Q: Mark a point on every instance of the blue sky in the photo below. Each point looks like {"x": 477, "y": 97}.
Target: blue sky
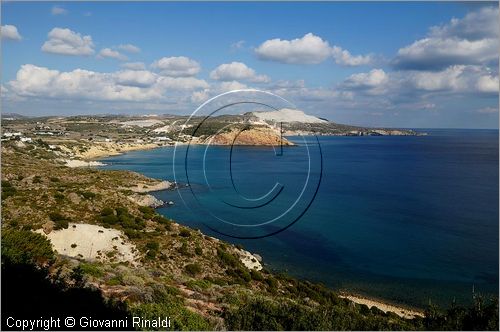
{"x": 379, "y": 64}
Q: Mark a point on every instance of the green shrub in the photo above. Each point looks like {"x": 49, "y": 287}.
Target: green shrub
{"x": 25, "y": 247}
{"x": 256, "y": 275}
{"x": 272, "y": 282}
{"x": 114, "y": 281}
{"x": 60, "y": 221}
{"x": 153, "y": 245}
{"x": 151, "y": 254}
{"x": 184, "y": 249}
{"x": 226, "y": 257}
{"x": 58, "y": 196}
{"x": 243, "y": 274}
{"x": 109, "y": 219}
{"x": 164, "y": 221}
{"x": 8, "y": 189}
{"x": 185, "y": 233}
{"x": 201, "y": 284}
{"x": 146, "y": 210}
{"x": 180, "y": 317}
{"x": 193, "y": 269}
{"x": 88, "y": 195}
{"x": 54, "y": 179}
{"x": 107, "y": 211}
{"x": 121, "y": 211}
{"x": 91, "y": 269}
{"x": 198, "y": 250}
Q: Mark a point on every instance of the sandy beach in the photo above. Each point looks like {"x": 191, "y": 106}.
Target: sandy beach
{"x": 400, "y": 311}
{"x": 100, "y": 150}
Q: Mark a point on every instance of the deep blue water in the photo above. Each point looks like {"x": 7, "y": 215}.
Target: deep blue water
{"x": 408, "y": 219}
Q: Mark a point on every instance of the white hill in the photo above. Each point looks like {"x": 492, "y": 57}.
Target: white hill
{"x": 287, "y": 115}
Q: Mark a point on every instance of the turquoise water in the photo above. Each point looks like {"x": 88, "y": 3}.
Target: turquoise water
{"x": 408, "y": 219}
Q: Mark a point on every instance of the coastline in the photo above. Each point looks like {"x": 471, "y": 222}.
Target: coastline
{"x": 381, "y": 304}
{"x": 402, "y": 311}
{"x": 102, "y": 150}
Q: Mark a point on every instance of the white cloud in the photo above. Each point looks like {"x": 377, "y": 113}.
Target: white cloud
{"x": 415, "y": 84}
{"x": 488, "y": 83}
{"x": 139, "y": 78}
{"x": 129, "y": 48}
{"x": 237, "y": 71}
{"x": 67, "y": 42}
{"x": 180, "y": 66}
{"x": 56, "y": 10}
{"x": 139, "y": 86}
{"x": 310, "y": 49}
{"x": 109, "y": 53}
{"x": 9, "y": 32}
{"x": 230, "y": 86}
{"x": 134, "y": 65}
{"x": 476, "y": 25}
{"x": 470, "y": 40}
{"x": 344, "y": 57}
{"x": 374, "y": 78}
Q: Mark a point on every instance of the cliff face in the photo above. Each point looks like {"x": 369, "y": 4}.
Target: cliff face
{"x": 253, "y": 136}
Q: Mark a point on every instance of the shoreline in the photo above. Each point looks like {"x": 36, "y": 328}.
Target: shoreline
{"x": 407, "y": 312}
{"x": 403, "y": 311}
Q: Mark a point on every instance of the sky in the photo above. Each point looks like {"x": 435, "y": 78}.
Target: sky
{"x": 413, "y": 65}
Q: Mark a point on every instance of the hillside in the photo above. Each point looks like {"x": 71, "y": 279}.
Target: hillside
{"x": 141, "y": 263}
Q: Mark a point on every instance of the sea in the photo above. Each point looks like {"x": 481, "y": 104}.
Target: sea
{"x": 411, "y": 220}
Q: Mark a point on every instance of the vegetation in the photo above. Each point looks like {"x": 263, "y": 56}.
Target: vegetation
{"x": 223, "y": 293}
{"x": 193, "y": 269}
{"x": 8, "y": 190}
{"x": 25, "y": 247}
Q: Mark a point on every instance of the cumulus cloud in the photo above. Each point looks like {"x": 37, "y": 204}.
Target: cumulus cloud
{"x": 139, "y": 78}
{"x": 237, "y": 71}
{"x": 67, "y": 42}
{"x": 10, "y": 32}
{"x": 469, "y": 40}
{"x": 231, "y": 85}
{"x": 372, "y": 79}
{"x": 109, "y": 53}
{"x": 345, "y": 58}
{"x": 310, "y": 49}
{"x": 488, "y": 83}
{"x": 134, "y": 65}
{"x": 129, "y": 48}
{"x": 57, "y": 10}
{"x": 463, "y": 79}
{"x": 140, "y": 86}
{"x": 179, "y": 66}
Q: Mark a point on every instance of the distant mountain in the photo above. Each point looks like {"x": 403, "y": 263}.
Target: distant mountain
{"x": 14, "y": 116}
{"x": 287, "y": 115}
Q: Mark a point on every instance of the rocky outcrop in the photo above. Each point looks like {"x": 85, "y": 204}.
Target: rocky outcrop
{"x": 253, "y": 136}
{"x": 146, "y": 188}
{"x": 146, "y": 200}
